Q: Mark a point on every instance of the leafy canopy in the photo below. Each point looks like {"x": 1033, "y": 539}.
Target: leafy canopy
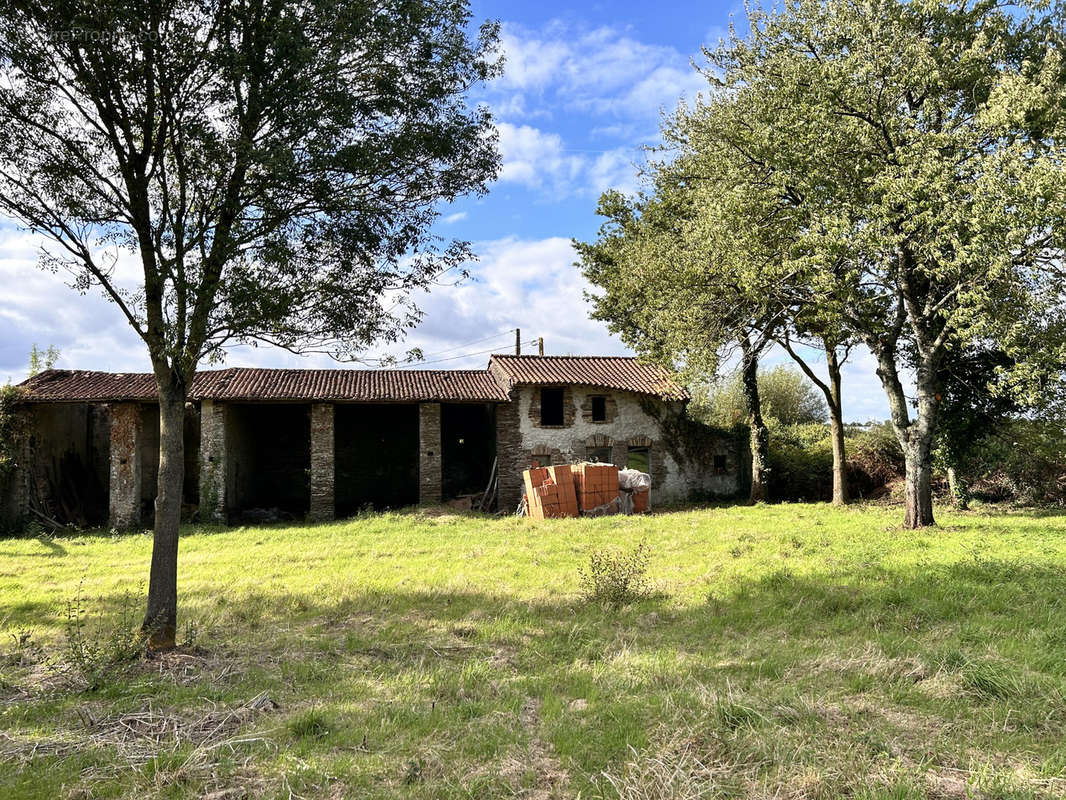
{"x": 244, "y": 171}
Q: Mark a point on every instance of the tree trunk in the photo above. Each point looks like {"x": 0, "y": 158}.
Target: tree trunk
{"x": 161, "y": 619}
{"x": 919, "y": 483}
{"x": 760, "y": 435}
{"x": 836, "y": 429}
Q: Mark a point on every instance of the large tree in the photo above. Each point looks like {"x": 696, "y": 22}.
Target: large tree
{"x": 240, "y": 171}
{"x": 671, "y": 300}
{"x": 898, "y": 168}
{"x": 920, "y": 147}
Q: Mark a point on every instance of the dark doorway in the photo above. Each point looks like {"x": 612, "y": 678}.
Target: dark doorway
{"x": 376, "y": 456}
{"x": 72, "y": 450}
{"x": 271, "y": 451}
{"x": 468, "y": 445}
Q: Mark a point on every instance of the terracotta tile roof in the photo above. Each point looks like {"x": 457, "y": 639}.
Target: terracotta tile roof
{"x": 238, "y": 383}
{"x": 607, "y": 372}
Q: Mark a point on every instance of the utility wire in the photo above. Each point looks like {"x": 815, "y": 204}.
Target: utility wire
{"x": 531, "y": 342}
{"x": 392, "y": 362}
{"x": 468, "y": 344}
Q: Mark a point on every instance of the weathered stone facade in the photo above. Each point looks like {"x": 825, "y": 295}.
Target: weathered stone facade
{"x": 322, "y": 462}
{"x": 213, "y": 461}
{"x": 274, "y": 444}
{"x": 125, "y": 478}
{"x": 510, "y": 456}
{"x": 569, "y": 410}
{"x": 629, "y": 426}
{"x": 429, "y": 454}
{"x": 610, "y": 409}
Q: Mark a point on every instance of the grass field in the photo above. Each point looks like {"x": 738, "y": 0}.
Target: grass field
{"x": 786, "y": 651}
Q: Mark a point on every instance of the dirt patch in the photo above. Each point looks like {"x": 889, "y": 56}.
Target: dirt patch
{"x": 550, "y": 779}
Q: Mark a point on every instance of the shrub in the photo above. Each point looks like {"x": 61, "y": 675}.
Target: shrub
{"x": 801, "y": 462}
{"x": 616, "y": 579}
{"x": 1022, "y": 461}
{"x": 875, "y": 459}
{"x": 94, "y": 656}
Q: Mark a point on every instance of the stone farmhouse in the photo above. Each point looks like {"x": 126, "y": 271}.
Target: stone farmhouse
{"x": 326, "y": 443}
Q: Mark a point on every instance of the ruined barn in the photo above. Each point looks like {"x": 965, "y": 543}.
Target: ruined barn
{"x": 319, "y": 444}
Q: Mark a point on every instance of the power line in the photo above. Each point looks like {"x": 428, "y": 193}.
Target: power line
{"x": 390, "y": 360}
{"x": 531, "y": 342}
{"x": 468, "y": 344}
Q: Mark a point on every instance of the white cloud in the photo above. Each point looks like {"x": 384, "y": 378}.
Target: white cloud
{"x": 539, "y": 160}
{"x": 601, "y": 70}
{"x": 530, "y": 284}
{"x": 39, "y": 307}
{"x": 534, "y": 158}
{"x": 451, "y": 219}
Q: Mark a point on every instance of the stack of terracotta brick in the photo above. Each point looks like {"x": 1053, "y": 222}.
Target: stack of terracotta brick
{"x": 596, "y": 486}
{"x": 550, "y": 492}
{"x": 586, "y": 489}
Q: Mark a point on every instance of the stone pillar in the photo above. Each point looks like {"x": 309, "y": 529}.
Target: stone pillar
{"x": 125, "y": 494}
{"x": 322, "y": 461}
{"x": 429, "y": 457}
{"x": 213, "y": 461}
{"x": 509, "y": 454}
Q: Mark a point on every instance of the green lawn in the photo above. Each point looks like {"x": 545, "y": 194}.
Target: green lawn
{"x": 787, "y": 651}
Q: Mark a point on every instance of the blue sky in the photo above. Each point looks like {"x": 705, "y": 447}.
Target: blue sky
{"x": 581, "y": 95}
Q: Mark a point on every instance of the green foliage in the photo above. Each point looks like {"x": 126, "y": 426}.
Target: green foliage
{"x": 615, "y": 579}
{"x": 95, "y": 653}
{"x": 11, "y": 429}
{"x": 786, "y": 394}
{"x": 291, "y": 160}
{"x": 875, "y": 460}
{"x": 886, "y": 172}
{"x": 1020, "y": 460}
{"x": 801, "y": 461}
{"x": 41, "y": 360}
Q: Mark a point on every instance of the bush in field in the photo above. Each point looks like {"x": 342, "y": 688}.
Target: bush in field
{"x": 801, "y": 462}
{"x": 875, "y": 460}
{"x": 1023, "y": 461}
{"x": 94, "y": 654}
{"x": 616, "y": 579}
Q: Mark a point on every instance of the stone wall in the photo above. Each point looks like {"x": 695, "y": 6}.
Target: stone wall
{"x": 322, "y": 462}
{"x": 126, "y": 466}
{"x": 429, "y": 455}
{"x": 214, "y": 480}
{"x": 509, "y": 453}
{"x": 521, "y": 440}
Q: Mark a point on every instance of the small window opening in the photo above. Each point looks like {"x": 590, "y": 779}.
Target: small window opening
{"x": 638, "y": 458}
{"x": 720, "y": 465}
{"x": 601, "y": 455}
{"x": 551, "y": 405}
{"x": 599, "y": 408}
